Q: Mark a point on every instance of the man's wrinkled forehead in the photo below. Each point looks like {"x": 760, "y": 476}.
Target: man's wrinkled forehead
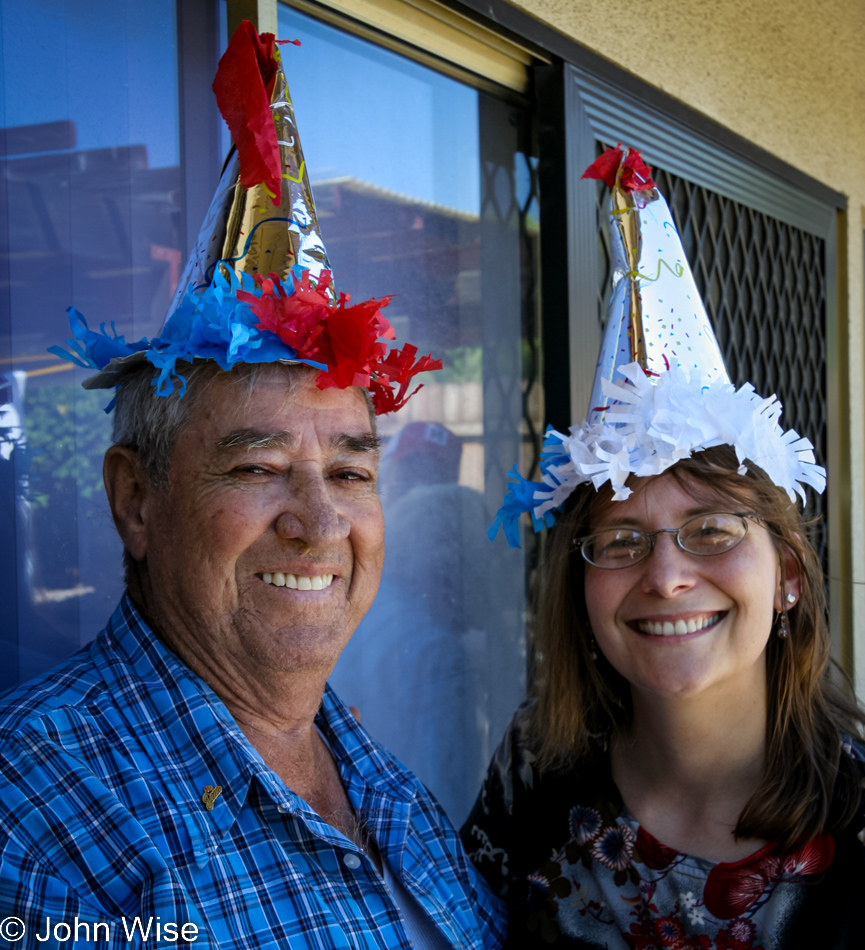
{"x": 263, "y": 415}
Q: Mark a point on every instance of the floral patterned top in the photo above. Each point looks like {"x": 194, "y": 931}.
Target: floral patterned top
{"x": 579, "y": 871}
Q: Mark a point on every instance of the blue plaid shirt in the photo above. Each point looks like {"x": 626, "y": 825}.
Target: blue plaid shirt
{"x": 104, "y": 762}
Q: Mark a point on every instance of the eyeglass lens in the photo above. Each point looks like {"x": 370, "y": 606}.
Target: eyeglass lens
{"x": 705, "y": 535}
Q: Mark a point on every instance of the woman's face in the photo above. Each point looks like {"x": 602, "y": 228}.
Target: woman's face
{"x": 729, "y": 599}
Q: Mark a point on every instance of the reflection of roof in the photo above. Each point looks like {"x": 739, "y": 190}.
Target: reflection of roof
{"x": 106, "y": 217}
{"x": 376, "y": 191}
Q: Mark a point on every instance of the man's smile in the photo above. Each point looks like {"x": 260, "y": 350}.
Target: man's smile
{"x": 298, "y": 581}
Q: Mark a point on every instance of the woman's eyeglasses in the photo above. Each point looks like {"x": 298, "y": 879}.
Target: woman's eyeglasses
{"x": 705, "y": 536}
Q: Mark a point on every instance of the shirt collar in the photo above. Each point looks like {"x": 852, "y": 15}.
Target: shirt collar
{"x": 188, "y": 739}
{"x": 357, "y": 754}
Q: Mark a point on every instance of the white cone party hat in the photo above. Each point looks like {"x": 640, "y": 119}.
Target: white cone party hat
{"x": 661, "y": 390}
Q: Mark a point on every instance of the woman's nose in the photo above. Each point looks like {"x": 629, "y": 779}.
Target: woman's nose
{"x": 668, "y": 569}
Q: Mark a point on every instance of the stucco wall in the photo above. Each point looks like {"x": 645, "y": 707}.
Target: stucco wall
{"x": 788, "y": 76}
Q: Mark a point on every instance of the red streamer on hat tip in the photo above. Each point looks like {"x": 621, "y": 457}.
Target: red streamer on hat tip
{"x": 243, "y": 87}
{"x": 635, "y": 175}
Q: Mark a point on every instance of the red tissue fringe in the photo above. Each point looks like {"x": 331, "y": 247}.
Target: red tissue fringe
{"x": 345, "y": 337}
{"x": 635, "y": 174}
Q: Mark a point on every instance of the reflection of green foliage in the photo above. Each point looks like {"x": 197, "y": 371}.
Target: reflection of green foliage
{"x": 67, "y": 434}
{"x": 462, "y": 364}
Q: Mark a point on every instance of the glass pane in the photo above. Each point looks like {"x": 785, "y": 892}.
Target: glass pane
{"x": 423, "y": 193}
{"x": 89, "y": 215}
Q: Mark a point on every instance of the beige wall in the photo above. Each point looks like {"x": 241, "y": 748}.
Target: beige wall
{"x": 786, "y": 74}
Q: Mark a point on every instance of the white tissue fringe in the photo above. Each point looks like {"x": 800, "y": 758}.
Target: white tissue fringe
{"x": 657, "y": 421}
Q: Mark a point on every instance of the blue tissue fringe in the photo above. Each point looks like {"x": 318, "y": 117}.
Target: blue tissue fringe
{"x": 520, "y": 497}
{"x": 210, "y": 325}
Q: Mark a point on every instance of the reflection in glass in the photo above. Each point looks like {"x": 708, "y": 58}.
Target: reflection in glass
{"x": 89, "y": 214}
{"x": 422, "y": 188}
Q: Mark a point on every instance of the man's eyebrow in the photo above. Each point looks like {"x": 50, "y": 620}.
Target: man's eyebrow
{"x": 356, "y": 443}
{"x": 252, "y": 438}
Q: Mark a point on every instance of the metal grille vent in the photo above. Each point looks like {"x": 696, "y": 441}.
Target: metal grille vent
{"x": 764, "y": 286}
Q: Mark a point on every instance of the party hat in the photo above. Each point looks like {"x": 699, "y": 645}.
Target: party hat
{"x": 262, "y": 217}
{"x": 661, "y": 390}
{"x": 257, "y": 287}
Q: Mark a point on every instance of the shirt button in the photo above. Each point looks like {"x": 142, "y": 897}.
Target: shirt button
{"x": 351, "y": 861}
{"x": 282, "y": 809}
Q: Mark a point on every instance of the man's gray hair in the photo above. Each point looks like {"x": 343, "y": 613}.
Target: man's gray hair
{"x": 149, "y": 424}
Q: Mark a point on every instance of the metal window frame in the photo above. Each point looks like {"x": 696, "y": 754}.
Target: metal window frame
{"x": 198, "y": 119}
{"x": 435, "y": 34}
{"x": 427, "y": 31}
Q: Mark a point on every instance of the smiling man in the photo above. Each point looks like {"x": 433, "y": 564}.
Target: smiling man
{"x": 191, "y": 768}
{"x": 190, "y": 775}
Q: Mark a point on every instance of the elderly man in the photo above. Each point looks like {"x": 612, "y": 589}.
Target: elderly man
{"x": 191, "y": 768}
{"x": 189, "y": 776}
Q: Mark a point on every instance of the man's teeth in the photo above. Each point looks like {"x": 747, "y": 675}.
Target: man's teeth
{"x": 298, "y": 581}
{"x": 668, "y": 629}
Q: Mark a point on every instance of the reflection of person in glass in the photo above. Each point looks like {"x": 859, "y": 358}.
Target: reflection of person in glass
{"x": 15, "y": 512}
{"x": 423, "y": 643}
{"x": 191, "y": 767}
{"x": 688, "y": 775}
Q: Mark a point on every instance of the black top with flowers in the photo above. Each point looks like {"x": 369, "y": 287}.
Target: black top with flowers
{"x": 577, "y": 870}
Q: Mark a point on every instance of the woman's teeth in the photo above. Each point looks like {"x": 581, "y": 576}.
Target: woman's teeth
{"x": 298, "y": 581}
{"x": 668, "y": 629}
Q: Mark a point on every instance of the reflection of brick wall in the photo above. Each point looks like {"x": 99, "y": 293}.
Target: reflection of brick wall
{"x": 90, "y": 219}
{"x": 427, "y": 256}
{"x": 472, "y": 466}
{"x": 459, "y": 406}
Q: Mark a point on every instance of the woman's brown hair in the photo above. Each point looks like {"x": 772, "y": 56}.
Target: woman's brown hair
{"x": 809, "y": 785}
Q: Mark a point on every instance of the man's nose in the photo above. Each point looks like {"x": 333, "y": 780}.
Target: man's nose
{"x": 668, "y": 568}
{"x": 311, "y": 514}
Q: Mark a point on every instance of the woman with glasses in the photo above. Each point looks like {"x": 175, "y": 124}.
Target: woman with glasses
{"x": 687, "y": 773}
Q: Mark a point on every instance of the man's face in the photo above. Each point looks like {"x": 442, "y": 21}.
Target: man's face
{"x": 266, "y": 550}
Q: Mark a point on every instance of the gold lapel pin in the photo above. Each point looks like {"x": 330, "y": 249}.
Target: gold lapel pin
{"x": 211, "y": 793}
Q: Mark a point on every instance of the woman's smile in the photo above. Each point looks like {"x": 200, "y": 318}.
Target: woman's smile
{"x": 677, "y": 623}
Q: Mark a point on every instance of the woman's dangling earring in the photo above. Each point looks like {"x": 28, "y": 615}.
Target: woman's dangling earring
{"x": 783, "y": 631}
{"x": 593, "y": 648}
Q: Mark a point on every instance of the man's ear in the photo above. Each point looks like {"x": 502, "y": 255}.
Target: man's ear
{"x": 128, "y": 489}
